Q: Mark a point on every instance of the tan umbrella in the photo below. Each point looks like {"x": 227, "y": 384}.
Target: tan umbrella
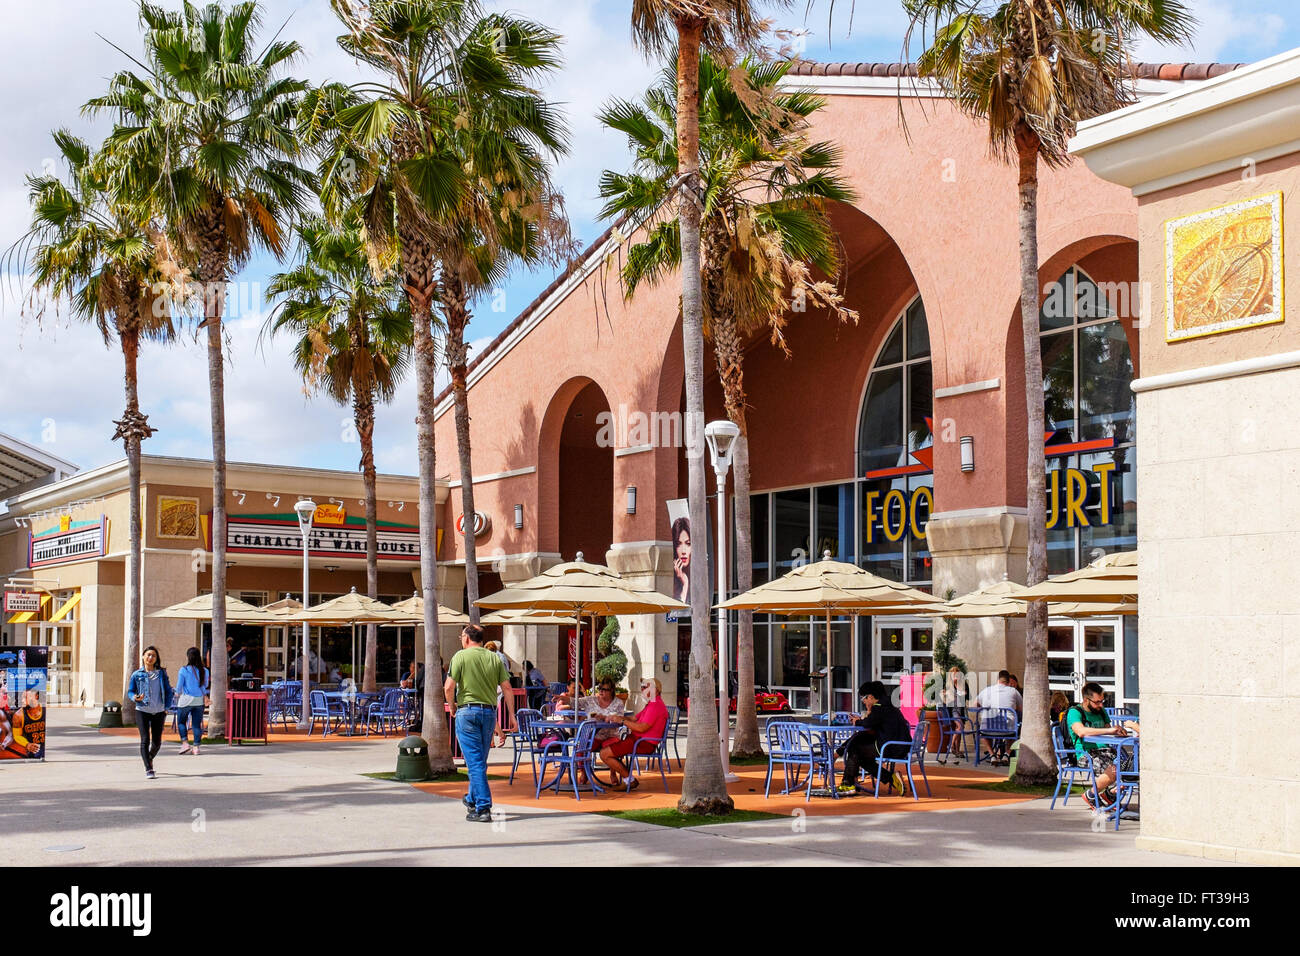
{"x": 1111, "y": 578}
{"x": 993, "y": 600}
{"x": 412, "y": 610}
{"x": 579, "y": 589}
{"x": 283, "y": 608}
{"x": 200, "y": 609}
{"x": 832, "y": 587}
{"x": 538, "y": 618}
{"x": 351, "y": 609}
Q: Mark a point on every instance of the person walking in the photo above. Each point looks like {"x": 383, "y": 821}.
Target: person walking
{"x": 150, "y": 688}
{"x": 191, "y": 688}
{"x": 471, "y": 685}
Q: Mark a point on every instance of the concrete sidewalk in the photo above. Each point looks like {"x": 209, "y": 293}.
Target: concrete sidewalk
{"x": 308, "y": 805}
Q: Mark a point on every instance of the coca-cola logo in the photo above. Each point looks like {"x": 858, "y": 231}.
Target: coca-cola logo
{"x": 481, "y": 524}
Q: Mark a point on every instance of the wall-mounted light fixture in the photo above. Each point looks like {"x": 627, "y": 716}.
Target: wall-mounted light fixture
{"x": 967, "y": 453}
{"x": 274, "y": 499}
{"x": 331, "y": 568}
{"x": 631, "y": 499}
{"x": 519, "y": 516}
{"x": 336, "y": 501}
{"x": 241, "y": 495}
{"x": 399, "y": 505}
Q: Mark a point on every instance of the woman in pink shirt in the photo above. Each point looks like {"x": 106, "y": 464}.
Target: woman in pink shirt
{"x": 649, "y": 724}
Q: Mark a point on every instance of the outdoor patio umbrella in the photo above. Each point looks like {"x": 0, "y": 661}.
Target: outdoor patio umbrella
{"x": 832, "y": 587}
{"x": 1111, "y": 578}
{"x": 1006, "y": 599}
{"x": 413, "y": 610}
{"x": 200, "y": 609}
{"x": 538, "y": 618}
{"x": 577, "y": 588}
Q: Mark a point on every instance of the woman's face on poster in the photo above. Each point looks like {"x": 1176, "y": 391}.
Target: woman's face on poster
{"x": 684, "y": 547}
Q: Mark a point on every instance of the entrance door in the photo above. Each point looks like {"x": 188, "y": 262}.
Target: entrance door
{"x": 275, "y": 656}
{"x": 1086, "y": 650}
{"x": 902, "y": 645}
{"x": 58, "y": 637}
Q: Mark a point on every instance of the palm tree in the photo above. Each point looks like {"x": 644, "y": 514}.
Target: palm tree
{"x": 353, "y": 331}
{"x": 509, "y": 212}
{"x": 205, "y": 132}
{"x": 108, "y": 259}
{"x": 1031, "y": 71}
{"x": 719, "y": 26}
{"x": 389, "y": 151}
{"x": 764, "y": 223}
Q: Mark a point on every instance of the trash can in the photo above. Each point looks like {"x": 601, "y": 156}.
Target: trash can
{"x": 111, "y": 716}
{"x": 1015, "y": 755}
{"x": 245, "y": 716}
{"x": 412, "y": 760}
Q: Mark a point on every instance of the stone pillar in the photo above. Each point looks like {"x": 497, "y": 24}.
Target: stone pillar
{"x": 646, "y": 638}
{"x": 539, "y": 643}
{"x": 971, "y": 550}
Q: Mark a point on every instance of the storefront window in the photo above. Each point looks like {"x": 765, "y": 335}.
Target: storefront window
{"x": 791, "y": 527}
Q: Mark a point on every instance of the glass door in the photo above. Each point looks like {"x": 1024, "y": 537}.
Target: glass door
{"x": 903, "y": 646}
{"x": 275, "y": 654}
{"x": 1086, "y": 650}
{"x": 58, "y": 637}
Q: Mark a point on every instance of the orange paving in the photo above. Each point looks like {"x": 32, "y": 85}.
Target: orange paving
{"x": 945, "y": 785}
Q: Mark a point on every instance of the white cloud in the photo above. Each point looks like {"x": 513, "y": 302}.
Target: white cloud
{"x": 1220, "y": 27}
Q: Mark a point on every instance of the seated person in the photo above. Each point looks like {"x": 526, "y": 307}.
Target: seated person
{"x": 649, "y": 724}
{"x": 1057, "y": 708}
{"x": 1088, "y": 719}
{"x": 535, "y": 682}
{"x": 999, "y": 695}
{"x": 881, "y": 723}
{"x": 604, "y": 706}
{"x": 564, "y": 700}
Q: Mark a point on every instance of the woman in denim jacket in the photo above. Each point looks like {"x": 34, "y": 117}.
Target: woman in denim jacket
{"x": 191, "y": 688}
{"x": 151, "y": 691}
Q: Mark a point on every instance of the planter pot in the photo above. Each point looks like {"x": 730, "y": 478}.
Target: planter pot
{"x": 932, "y": 740}
{"x": 622, "y": 696}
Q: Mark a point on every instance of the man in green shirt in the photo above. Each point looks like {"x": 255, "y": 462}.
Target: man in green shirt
{"x": 473, "y": 678}
{"x": 1088, "y": 719}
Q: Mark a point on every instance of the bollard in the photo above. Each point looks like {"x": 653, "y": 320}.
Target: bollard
{"x": 111, "y": 715}
{"x": 412, "y": 760}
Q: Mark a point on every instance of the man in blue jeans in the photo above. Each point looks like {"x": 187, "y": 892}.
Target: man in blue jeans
{"x": 472, "y": 682}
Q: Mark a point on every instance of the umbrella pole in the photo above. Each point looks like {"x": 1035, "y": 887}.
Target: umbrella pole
{"x": 830, "y": 683}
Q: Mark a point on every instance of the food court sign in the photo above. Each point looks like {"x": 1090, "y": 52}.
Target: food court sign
{"x": 279, "y": 534}
{"x": 69, "y": 541}
{"x": 1076, "y": 497}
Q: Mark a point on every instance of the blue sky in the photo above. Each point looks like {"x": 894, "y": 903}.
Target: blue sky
{"x": 60, "y": 387}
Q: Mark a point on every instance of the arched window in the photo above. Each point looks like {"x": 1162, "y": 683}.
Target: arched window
{"x": 1091, "y": 415}
{"x": 896, "y": 492}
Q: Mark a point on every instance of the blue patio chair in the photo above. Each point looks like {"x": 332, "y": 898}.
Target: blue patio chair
{"x": 843, "y": 718}
{"x": 274, "y": 702}
{"x": 998, "y": 724}
{"x": 1117, "y": 714}
{"x": 525, "y": 741}
{"x": 570, "y": 756}
{"x": 292, "y": 700}
{"x": 325, "y": 709}
{"x": 1126, "y": 779}
{"x": 1068, "y": 766}
{"x": 652, "y": 752}
{"x": 386, "y": 712}
{"x": 790, "y": 745}
{"x": 906, "y": 752}
{"x": 954, "y": 728}
{"x": 670, "y": 732}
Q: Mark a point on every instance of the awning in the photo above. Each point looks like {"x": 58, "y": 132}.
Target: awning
{"x": 68, "y": 605}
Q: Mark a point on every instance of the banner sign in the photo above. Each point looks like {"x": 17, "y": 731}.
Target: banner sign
{"x": 280, "y": 535}
{"x": 330, "y": 514}
{"x": 24, "y": 688}
{"x": 22, "y": 601}
{"x": 71, "y": 541}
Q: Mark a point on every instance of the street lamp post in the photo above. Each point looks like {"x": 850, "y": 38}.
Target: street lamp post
{"x": 306, "y": 510}
{"x": 721, "y": 438}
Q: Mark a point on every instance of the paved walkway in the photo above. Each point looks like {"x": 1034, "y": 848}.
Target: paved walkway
{"x": 307, "y": 804}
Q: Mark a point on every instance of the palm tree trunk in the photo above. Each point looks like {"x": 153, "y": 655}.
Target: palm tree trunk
{"x": 217, "y": 399}
{"x": 455, "y": 309}
{"x": 703, "y": 788}
{"x": 748, "y": 742}
{"x": 363, "y": 413}
{"x": 1034, "y": 765}
{"x": 421, "y": 289}
{"x": 130, "y": 340}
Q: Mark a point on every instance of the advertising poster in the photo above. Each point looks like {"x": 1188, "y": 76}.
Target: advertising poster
{"x": 24, "y": 683}
{"x": 686, "y": 548}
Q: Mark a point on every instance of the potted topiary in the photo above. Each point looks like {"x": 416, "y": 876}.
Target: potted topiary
{"x": 612, "y": 664}
{"x": 944, "y": 661}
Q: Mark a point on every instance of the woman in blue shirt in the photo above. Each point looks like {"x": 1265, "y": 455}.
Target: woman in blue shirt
{"x": 191, "y": 688}
{"x": 151, "y": 690}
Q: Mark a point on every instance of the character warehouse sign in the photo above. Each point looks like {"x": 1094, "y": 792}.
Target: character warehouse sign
{"x": 281, "y": 536}
{"x": 70, "y": 541}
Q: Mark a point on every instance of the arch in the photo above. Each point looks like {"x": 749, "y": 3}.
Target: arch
{"x": 575, "y": 473}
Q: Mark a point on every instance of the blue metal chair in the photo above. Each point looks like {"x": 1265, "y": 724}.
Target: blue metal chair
{"x": 1068, "y": 766}
{"x": 1118, "y": 714}
{"x": 525, "y": 741}
{"x": 790, "y": 745}
{"x": 1126, "y": 779}
{"x": 670, "y": 732}
{"x": 292, "y": 701}
{"x": 571, "y": 756}
{"x": 652, "y": 752}
{"x": 387, "y": 711}
{"x": 954, "y": 728}
{"x": 325, "y": 709}
{"x": 843, "y": 718}
{"x": 907, "y": 752}
{"x": 998, "y": 724}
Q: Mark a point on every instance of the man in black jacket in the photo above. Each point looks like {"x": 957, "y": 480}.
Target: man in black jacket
{"x": 881, "y": 723}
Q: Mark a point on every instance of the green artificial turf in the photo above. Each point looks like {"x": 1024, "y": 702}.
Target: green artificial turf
{"x": 671, "y": 817}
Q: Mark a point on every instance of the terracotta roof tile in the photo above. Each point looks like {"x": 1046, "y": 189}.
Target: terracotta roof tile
{"x": 1142, "y": 71}
{"x": 1172, "y": 71}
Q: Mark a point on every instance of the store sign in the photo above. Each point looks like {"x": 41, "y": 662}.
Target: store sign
{"x": 280, "y": 535}
{"x": 71, "y": 541}
{"x": 1076, "y": 498}
{"x": 330, "y": 515}
{"x": 22, "y": 601}
{"x": 482, "y": 523}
